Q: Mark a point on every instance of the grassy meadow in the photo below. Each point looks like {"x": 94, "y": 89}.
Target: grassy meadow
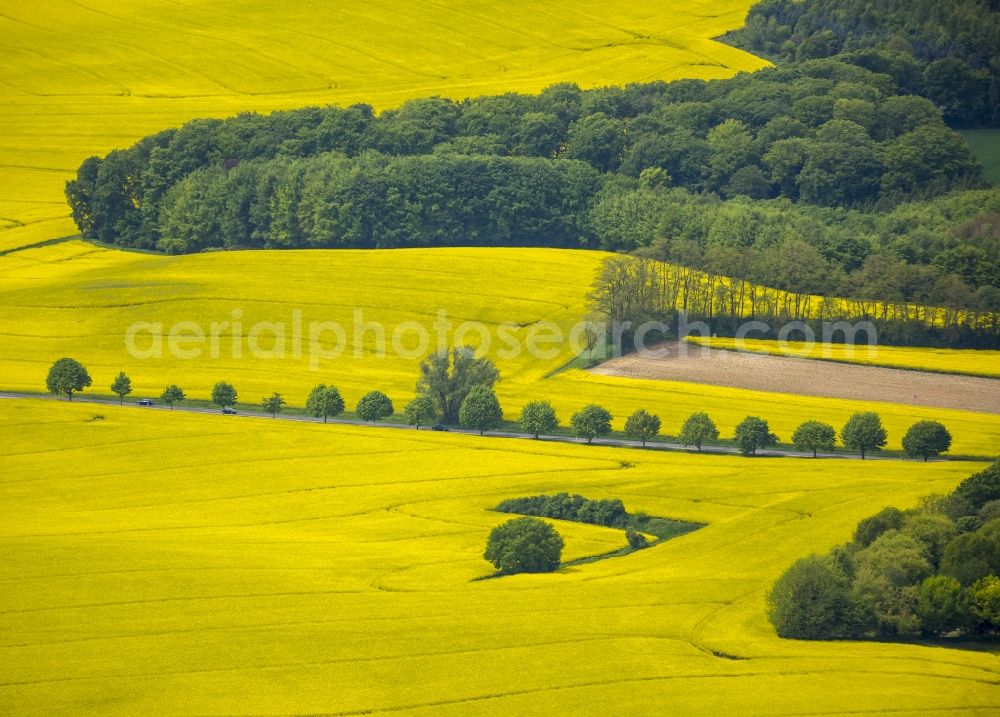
{"x": 84, "y": 78}
{"x": 938, "y": 360}
{"x": 79, "y": 300}
{"x": 167, "y": 563}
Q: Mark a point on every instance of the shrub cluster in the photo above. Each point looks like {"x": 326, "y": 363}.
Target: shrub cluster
{"x": 610, "y": 513}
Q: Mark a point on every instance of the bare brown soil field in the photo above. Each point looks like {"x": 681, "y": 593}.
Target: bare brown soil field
{"x": 684, "y": 362}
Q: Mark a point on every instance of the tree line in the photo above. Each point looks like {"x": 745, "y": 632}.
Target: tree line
{"x": 903, "y": 304}
{"x": 929, "y": 571}
{"x": 456, "y": 387}
{"x": 945, "y": 51}
{"x": 829, "y": 132}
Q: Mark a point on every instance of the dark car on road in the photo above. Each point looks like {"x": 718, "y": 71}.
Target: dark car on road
{"x": 439, "y": 427}
{"x": 229, "y": 411}
{"x": 144, "y": 402}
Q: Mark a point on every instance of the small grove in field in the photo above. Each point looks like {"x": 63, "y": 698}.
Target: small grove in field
{"x": 932, "y": 570}
{"x": 526, "y": 544}
{"x": 456, "y": 386}
{"x": 609, "y": 513}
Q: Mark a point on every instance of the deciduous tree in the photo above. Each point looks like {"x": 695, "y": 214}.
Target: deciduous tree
{"x": 697, "y": 429}
{"x": 524, "y": 545}
{"x": 374, "y": 406}
{"x": 122, "y": 386}
{"x": 325, "y": 402}
{"x": 480, "y": 410}
{"x": 172, "y": 394}
{"x": 538, "y": 417}
{"x": 591, "y": 422}
{"x": 67, "y": 376}
{"x": 642, "y": 426}
{"x": 864, "y": 432}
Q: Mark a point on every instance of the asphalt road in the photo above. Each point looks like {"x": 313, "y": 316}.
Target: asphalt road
{"x": 616, "y": 442}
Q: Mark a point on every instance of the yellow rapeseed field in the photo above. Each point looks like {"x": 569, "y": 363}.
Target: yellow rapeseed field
{"x": 167, "y": 563}
{"x": 82, "y": 78}
{"x": 961, "y": 361}
{"x": 73, "y": 299}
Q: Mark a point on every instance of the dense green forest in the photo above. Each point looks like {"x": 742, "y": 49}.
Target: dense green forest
{"x": 823, "y": 132}
{"x": 829, "y": 175}
{"x": 931, "y": 570}
{"x": 951, "y": 48}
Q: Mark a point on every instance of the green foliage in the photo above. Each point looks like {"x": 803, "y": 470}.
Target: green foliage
{"x": 980, "y": 488}
{"x": 610, "y": 513}
{"x": 524, "y": 545}
{"x": 172, "y": 394}
{"x": 814, "y": 436}
{"x": 933, "y": 532}
{"x": 480, "y": 410}
{"x": 811, "y": 600}
{"x": 972, "y": 556}
{"x": 984, "y": 601}
{"x": 67, "y": 376}
{"x": 374, "y": 406}
{"x": 122, "y": 385}
{"x": 642, "y": 426}
{"x": 942, "y": 50}
{"x": 223, "y": 394}
{"x": 636, "y": 540}
{"x": 591, "y": 422}
{"x": 873, "y": 527}
{"x": 906, "y": 573}
{"x": 864, "y": 432}
{"x": 273, "y": 404}
{"x": 538, "y": 417}
{"x": 926, "y": 439}
{"x": 753, "y": 433}
{"x": 325, "y": 402}
{"x": 697, "y": 429}
{"x": 420, "y": 410}
{"x": 942, "y": 605}
{"x": 517, "y": 169}
{"x": 448, "y": 377}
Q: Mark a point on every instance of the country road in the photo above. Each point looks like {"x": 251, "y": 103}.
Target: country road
{"x": 614, "y": 442}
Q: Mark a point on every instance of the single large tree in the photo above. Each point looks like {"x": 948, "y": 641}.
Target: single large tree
{"x": 642, "y": 426}
{"x": 538, "y": 417}
{"x": 172, "y": 394}
{"x": 864, "y": 432}
{"x": 223, "y": 394}
{"x": 420, "y": 410}
{"x": 67, "y": 376}
{"x": 926, "y": 439}
{"x": 325, "y": 402}
{"x": 591, "y": 422}
{"x": 374, "y": 406}
{"x": 753, "y": 433}
{"x": 697, "y": 429}
{"x": 524, "y": 545}
{"x": 480, "y": 410}
{"x": 814, "y": 436}
{"x": 449, "y": 376}
{"x": 273, "y": 404}
{"x": 122, "y": 385}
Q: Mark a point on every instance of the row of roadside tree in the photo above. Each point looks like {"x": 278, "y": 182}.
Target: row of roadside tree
{"x": 456, "y": 387}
